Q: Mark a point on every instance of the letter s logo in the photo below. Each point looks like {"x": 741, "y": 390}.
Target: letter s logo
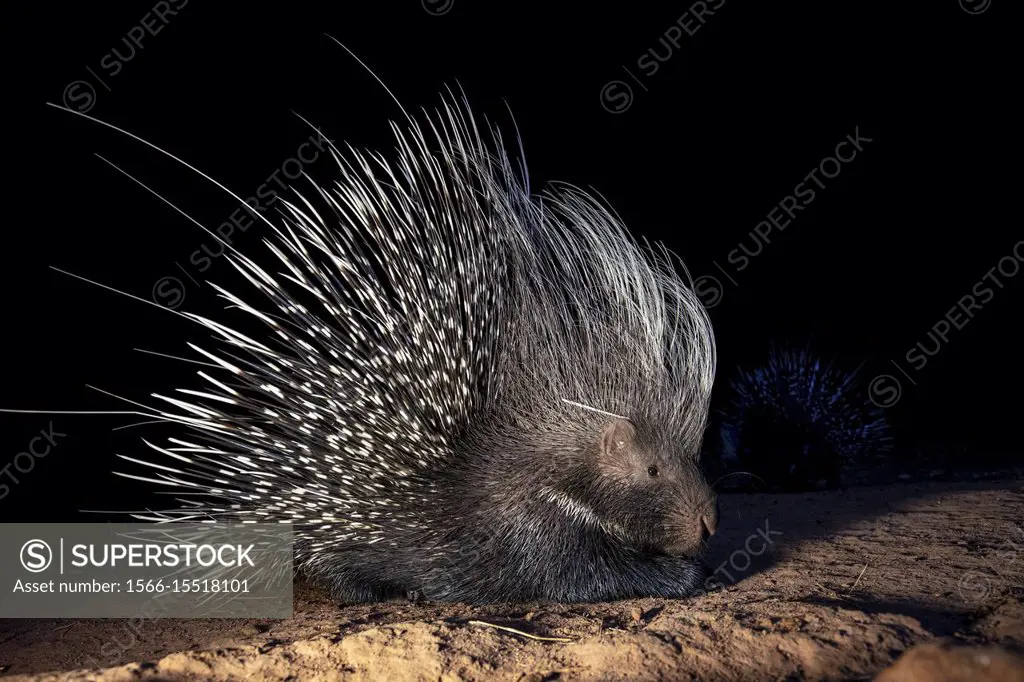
{"x": 36, "y": 556}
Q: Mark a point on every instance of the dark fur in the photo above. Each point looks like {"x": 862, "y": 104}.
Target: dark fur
{"x": 505, "y": 541}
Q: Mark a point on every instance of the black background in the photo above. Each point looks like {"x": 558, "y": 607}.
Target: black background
{"x": 725, "y": 128}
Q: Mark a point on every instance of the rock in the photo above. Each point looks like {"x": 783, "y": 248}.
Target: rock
{"x": 948, "y": 662}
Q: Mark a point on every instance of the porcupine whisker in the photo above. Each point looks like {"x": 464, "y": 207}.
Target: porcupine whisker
{"x": 738, "y": 473}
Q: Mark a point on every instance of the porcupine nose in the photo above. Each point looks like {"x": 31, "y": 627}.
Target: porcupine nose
{"x": 709, "y": 521}
{"x": 691, "y": 528}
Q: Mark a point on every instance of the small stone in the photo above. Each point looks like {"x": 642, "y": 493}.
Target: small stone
{"x": 789, "y": 623}
{"x": 532, "y": 677}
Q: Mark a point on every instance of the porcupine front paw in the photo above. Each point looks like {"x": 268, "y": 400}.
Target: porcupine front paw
{"x": 677, "y": 577}
{"x": 643, "y": 576}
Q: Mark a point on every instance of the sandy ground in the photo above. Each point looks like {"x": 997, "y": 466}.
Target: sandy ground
{"x": 849, "y": 582}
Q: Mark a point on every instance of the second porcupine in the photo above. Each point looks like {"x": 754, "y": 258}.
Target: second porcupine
{"x": 799, "y": 422}
{"x": 467, "y": 392}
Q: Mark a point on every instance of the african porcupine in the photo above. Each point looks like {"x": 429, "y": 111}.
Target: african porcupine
{"x": 798, "y": 422}
{"x": 489, "y": 396}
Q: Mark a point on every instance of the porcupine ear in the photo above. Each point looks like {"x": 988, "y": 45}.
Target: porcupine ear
{"x": 615, "y": 457}
{"x": 616, "y": 436}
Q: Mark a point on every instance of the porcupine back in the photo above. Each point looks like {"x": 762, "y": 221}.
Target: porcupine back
{"x": 459, "y": 329}
{"x": 799, "y": 420}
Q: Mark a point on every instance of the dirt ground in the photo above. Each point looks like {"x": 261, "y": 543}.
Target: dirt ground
{"x": 848, "y": 582}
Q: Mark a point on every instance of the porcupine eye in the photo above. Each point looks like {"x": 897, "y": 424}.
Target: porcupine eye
{"x": 652, "y": 471}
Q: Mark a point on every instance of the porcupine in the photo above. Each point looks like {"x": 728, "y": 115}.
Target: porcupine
{"x": 799, "y": 422}
{"x": 490, "y": 396}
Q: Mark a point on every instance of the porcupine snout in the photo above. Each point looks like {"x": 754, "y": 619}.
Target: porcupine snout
{"x": 693, "y": 522}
